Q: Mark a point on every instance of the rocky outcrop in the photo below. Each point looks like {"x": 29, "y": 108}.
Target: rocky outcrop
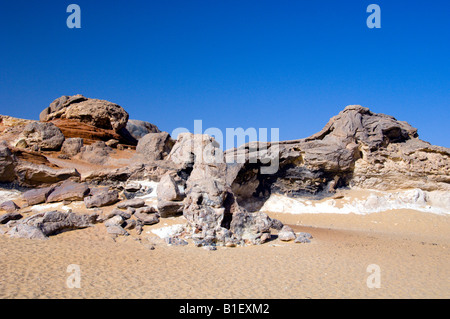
{"x": 356, "y": 148}
{"x": 99, "y": 113}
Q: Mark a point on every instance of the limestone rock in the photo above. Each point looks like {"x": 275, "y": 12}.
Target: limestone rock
{"x": 286, "y": 234}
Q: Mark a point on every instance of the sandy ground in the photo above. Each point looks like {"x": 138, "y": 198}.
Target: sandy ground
{"x": 411, "y": 249}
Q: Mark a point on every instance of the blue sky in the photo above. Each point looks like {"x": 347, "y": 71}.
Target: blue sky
{"x": 264, "y": 64}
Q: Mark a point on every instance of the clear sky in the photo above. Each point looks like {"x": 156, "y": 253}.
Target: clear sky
{"x": 249, "y": 63}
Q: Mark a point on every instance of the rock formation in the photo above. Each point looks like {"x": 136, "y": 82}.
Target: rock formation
{"x": 83, "y": 150}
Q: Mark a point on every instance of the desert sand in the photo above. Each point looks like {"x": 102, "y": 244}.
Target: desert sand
{"x": 411, "y": 248}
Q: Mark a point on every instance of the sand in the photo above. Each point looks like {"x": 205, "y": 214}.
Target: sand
{"x": 411, "y": 249}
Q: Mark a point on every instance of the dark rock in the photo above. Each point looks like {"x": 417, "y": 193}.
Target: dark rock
{"x": 42, "y": 225}
{"x": 9, "y": 216}
{"x": 146, "y": 219}
{"x": 70, "y": 191}
{"x": 135, "y": 203}
{"x": 101, "y": 197}
{"x": 170, "y": 208}
{"x": 9, "y": 206}
{"x": 8, "y": 163}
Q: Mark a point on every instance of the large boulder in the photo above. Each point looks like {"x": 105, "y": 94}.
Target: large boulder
{"x": 99, "y": 113}
{"x": 139, "y": 129}
{"x": 41, "y": 136}
{"x": 155, "y": 146}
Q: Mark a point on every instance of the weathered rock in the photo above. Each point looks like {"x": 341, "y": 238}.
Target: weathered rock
{"x": 117, "y": 231}
{"x": 168, "y": 209}
{"x": 146, "y": 210}
{"x": 101, "y": 197}
{"x": 135, "y": 203}
{"x": 42, "y": 225}
{"x": 117, "y": 212}
{"x": 37, "y": 196}
{"x": 286, "y": 234}
{"x": 303, "y": 238}
{"x": 139, "y": 129}
{"x": 190, "y": 148}
{"x": 70, "y": 191}
{"x": 132, "y": 187}
{"x": 72, "y": 146}
{"x": 32, "y": 175}
{"x": 114, "y": 221}
{"x": 167, "y": 189}
{"x": 8, "y": 163}
{"x": 99, "y": 113}
{"x": 252, "y": 228}
{"x": 41, "y": 136}
{"x": 9, "y": 216}
{"x": 356, "y": 148}
{"x": 147, "y": 219}
{"x": 155, "y": 146}
{"x": 175, "y": 241}
{"x": 276, "y": 224}
{"x": 96, "y": 153}
{"x": 9, "y": 206}
{"x": 112, "y": 143}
